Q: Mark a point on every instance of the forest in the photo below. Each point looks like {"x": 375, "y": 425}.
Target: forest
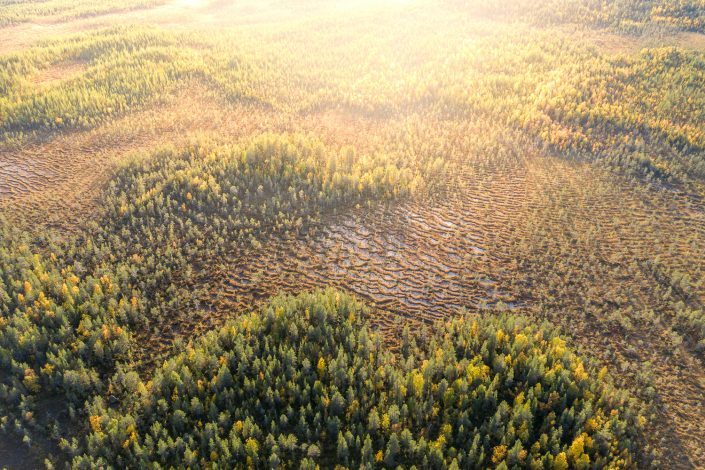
{"x": 335, "y": 234}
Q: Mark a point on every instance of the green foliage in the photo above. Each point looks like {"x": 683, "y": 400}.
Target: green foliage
{"x": 276, "y": 181}
{"x": 115, "y": 79}
{"x": 480, "y": 393}
{"x": 638, "y": 115}
{"x": 67, "y": 312}
{"x": 57, "y": 330}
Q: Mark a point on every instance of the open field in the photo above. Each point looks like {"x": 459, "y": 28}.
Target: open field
{"x": 471, "y": 171}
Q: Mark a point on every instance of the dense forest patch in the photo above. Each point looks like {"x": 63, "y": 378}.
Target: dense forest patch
{"x": 305, "y": 382}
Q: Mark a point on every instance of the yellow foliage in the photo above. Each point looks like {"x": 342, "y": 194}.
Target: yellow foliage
{"x": 558, "y": 346}
{"x": 577, "y": 448}
{"x": 251, "y": 446}
{"x": 560, "y": 462}
{"x": 418, "y": 382}
{"x": 440, "y": 442}
{"x": 521, "y": 340}
{"x": 446, "y": 429}
{"x": 95, "y": 423}
{"x": 30, "y": 380}
{"x": 48, "y": 369}
{"x": 579, "y": 371}
{"x": 499, "y": 453}
{"x": 601, "y": 375}
{"x": 477, "y": 372}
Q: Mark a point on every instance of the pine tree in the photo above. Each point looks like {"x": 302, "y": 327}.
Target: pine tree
{"x": 390, "y": 456}
{"x": 342, "y": 449}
